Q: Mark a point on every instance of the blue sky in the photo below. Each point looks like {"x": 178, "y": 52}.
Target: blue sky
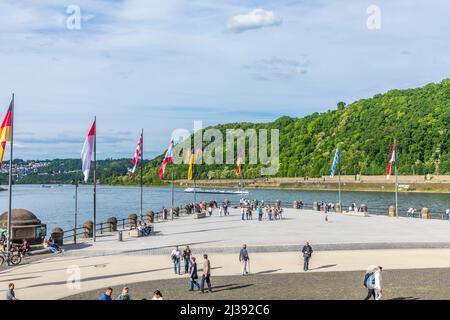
{"x": 160, "y": 65}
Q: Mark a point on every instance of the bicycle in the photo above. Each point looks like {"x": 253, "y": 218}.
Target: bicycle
{"x": 14, "y": 258}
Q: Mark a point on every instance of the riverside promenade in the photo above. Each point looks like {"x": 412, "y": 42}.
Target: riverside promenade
{"x": 343, "y": 244}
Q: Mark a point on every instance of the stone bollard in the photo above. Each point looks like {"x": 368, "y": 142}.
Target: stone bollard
{"x": 296, "y": 204}
{"x": 58, "y": 236}
{"x": 176, "y": 211}
{"x": 278, "y": 204}
{"x": 391, "y": 211}
{"x": 364, "y": 208}
{"x": 112, "y": 224}
{"x": 150, "y": 216}
{"x": 187, "y": 210}
{"x": 337, "y": 208}
{"x": 88, "y": 227}
{"x": 314, "y": 206}
{"x": 133, "y": 219}
{"x": 425, "y": 213}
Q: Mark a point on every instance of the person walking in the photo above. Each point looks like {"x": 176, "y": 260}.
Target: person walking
{"x": 377, "y": 287}
{"x": 245, "y": 260}
{"x": 307, "y": 253}
{"x": 176, "y": 259}
{"x": 206, "y": 277}
{"x": 242, "y": 212}
{"x": 372, "y": 281}
{"x": 260, "y": 213}
{"x": 193, "y": 275}
{"x": 187, "y": 258}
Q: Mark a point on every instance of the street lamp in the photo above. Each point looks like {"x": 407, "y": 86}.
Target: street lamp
{"x": 75, "y": 182}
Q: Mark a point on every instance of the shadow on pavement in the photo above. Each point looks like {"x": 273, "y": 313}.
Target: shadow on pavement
{"x": 324, "y": 267}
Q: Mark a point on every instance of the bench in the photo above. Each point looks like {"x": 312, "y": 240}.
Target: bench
{"x": 199, "y": 215}
{"x": 135, "y": 233}
{"x": 356, "y": 214}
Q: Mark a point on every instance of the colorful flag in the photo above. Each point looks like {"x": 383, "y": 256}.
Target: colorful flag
{"x": 191, "y": 166}
{"x": 5, "y": 130}
{"x": 86, "y": 153}
{"x": 238, "y": 164}
{"x": 335, "y": 162}
{"x": 391, "y": 160}
{"x": 137, "y": 155}
{"x": 168, "y": 158}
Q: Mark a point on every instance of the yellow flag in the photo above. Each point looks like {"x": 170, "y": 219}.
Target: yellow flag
{"x": 191, "y": 166}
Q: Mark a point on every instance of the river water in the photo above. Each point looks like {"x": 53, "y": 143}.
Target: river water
{"x": 55, "y": 205}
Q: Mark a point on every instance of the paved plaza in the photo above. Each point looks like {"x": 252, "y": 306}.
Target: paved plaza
{"x": 345, "y": 246}
{"x": 225, "y": 234}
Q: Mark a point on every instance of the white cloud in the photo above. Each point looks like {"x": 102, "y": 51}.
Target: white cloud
{"x": 278, "y": 68}
{"x": 256, "y": 19}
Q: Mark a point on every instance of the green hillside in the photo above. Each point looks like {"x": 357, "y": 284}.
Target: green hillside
{"x": 419, "y": 119}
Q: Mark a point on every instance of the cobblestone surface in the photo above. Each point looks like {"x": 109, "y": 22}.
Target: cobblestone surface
{"x": 397, "y": 284}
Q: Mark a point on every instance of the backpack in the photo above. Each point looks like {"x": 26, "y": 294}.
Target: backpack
{"x": 369, "y": 280}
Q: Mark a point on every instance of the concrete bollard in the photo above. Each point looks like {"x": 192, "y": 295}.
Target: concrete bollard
{"x": 150, "y": 216}
{"x": 314, "y": 206}
{"x": 364, "y": 208}
{"x": 176, "y": 211}
{"x": 58, "y": 236}
{"x": 425, "y": 213}
{"x": 338, "y": 208}
{"x": 112, "y": 224}
{"x": 187, "y": 210}
{"x": 296, "y": 204}
{"x": 133, "y": 219}
{"x": 88, "y": 227}
{"x": 391, "y": 211}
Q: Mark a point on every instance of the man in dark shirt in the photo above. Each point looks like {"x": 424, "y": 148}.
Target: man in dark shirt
{"x": 307, "y": 253}
{"x": 245, "y": 259}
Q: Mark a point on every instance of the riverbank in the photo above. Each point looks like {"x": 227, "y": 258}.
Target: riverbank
{"x": 428, "y": 183}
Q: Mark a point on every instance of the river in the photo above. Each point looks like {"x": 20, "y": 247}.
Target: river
{"x": 55, "y": 205}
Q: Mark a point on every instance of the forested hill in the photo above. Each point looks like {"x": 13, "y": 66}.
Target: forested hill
{"x": 418, "y": 118}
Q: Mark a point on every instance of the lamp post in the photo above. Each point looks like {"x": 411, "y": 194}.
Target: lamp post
{"x": 75, "y": 182}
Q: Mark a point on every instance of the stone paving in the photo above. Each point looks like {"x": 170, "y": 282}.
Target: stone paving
{"x": 225, "y": 234}
{"x": 397, "y": 285}
{"x": 340, "y": 246}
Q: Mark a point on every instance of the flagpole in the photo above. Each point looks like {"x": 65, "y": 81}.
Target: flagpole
{"x": 396, "y": 189}
{"x": 339, "y": 178}
{"x": 172, "y": 191}
{"x": 95, "y": 180}
{"x": 142, "y": 160}
{"x": 10, "y": 182}
{"x": 195, "y": 184}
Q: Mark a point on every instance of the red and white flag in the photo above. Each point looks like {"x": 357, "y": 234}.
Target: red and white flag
{"x": 137, "y": 155}
{"x": 86, "y": 153}
{"x": 168, "y": 158}
{"x": 391, "y": 160}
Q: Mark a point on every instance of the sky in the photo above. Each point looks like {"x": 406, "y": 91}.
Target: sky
{"x": 160, "y": 65}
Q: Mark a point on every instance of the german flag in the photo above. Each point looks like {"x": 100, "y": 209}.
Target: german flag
{"x": 5, "y": 130}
